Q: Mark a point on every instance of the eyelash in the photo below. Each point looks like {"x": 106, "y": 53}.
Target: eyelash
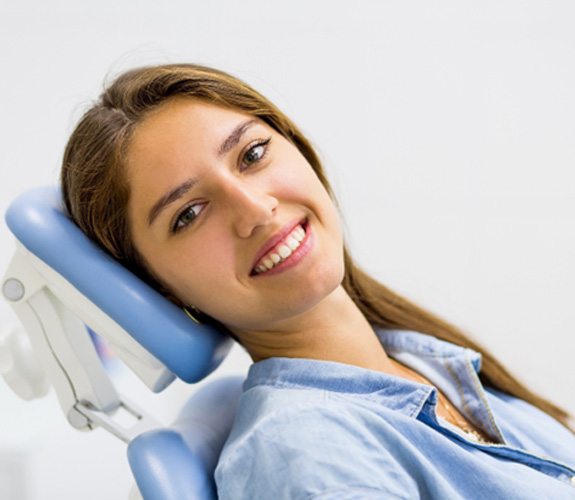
{"x": 178, "y": 225}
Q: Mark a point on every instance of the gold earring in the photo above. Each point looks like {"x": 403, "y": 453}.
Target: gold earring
{"x": 190, "y": 315}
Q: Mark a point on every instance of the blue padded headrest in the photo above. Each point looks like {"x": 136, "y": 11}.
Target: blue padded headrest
{"x": 189, "y": 350}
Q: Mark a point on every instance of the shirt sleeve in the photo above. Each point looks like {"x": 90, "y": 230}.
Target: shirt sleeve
{"x": 311, "y": 453}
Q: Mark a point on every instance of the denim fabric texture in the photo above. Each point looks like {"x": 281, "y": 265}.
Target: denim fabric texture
{"x": 309, "y": 429}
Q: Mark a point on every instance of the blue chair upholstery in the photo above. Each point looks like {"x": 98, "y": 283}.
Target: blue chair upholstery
{"x": 37, "y": 218}
{"x": 178, "y": 463}
{"x": 172, "y": 463}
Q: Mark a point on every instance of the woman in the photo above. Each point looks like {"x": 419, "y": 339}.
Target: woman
{"x": 189, "y": 177}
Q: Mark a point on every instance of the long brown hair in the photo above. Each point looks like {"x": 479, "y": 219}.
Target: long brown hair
{"x": 96, "y": 195}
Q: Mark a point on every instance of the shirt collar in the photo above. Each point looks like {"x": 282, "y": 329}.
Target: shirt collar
{"x": 425, "y": 346}
{"x": 394, "y": 392}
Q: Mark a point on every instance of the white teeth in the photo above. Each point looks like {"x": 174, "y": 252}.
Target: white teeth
{"x": 284, "y": 251}
{"x": 268, "y": 263}
{"x": 275, "y": 257}
{"x": 292, "y": 243}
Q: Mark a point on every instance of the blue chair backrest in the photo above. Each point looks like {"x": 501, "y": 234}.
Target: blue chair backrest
{"x": 190, "y": 351}
{"x": 178, "y": 463}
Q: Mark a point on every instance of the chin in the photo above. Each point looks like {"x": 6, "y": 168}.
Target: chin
{"x": 320, "y": 286}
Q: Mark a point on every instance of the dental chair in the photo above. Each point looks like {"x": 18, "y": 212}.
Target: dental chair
{"x": 62, "y": 286}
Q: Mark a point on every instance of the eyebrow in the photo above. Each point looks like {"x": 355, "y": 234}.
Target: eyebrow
{"x": 169, "y": 198}
{"x": 176, "y": 193}
{"x": 235, "y": 136}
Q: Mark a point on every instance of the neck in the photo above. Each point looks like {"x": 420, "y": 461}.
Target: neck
{"x": 334, "y": 330}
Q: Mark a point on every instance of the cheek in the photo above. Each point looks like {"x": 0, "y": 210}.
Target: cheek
{"x": 198, "y": 269}
{"x": 284, "y": 180}
{"x": 295, "y": 180}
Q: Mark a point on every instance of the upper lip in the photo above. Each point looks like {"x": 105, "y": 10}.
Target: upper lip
{"x": 276, "y": 238}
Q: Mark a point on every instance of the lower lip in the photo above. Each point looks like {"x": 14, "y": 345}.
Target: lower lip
{"x": 296, "y": 256}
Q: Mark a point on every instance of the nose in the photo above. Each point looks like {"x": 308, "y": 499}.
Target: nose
{"x": 250, "y": 206}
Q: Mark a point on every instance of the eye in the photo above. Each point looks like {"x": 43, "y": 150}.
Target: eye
{"x": 256, "y": 152}
{"x": 186, "y": 217}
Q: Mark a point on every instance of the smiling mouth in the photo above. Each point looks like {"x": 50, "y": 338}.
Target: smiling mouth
{"x": 283, "y": 250}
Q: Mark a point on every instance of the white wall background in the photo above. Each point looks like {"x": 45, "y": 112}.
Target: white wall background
{"x": 447, "y": 129}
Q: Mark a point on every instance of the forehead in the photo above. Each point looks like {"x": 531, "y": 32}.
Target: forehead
{"x": 179, "y": 140}
{"x": 179, "y": 134}
{"x": 182, "y": 120}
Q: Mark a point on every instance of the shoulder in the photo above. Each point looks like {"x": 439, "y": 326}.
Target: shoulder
{"x": 288, "y": 445}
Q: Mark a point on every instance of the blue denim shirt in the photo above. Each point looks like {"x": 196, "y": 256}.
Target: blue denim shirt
{"x": 309, "y": 429}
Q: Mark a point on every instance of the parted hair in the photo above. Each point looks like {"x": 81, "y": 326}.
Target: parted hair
{"x": 96, "y": 194}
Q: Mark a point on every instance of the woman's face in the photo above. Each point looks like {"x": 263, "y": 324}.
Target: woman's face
{"x": 209, "y": 188}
